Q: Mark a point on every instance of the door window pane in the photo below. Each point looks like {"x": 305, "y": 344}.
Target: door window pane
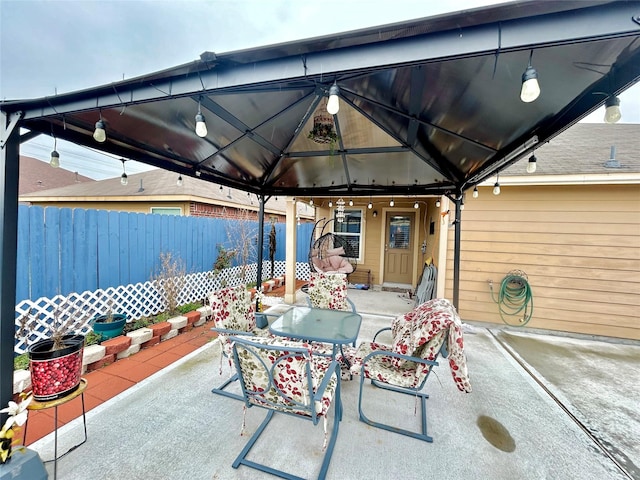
{"x": 399, "y": 229}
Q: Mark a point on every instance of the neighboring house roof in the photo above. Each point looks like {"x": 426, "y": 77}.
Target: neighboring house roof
{"x": 37, "y": 176}
{"x": 160, "y": 185}
{"x": 585, "y": 149}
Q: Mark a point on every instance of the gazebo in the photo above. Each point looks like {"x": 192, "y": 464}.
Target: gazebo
{"x": 428, "y": 107}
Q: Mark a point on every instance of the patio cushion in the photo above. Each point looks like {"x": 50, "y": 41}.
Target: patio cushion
{"x": 419, "y": 333}
{"x": 233, "y": 309}
{"x": 328, "y": 290}
{"x": 290, "y": 380}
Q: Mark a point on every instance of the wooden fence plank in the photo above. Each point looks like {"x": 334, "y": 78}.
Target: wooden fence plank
{"x": 91, "y": 261}
{"x": 66, "y": 251}
{"x": 23, "y": 255}
{"x": 51, "y": 245}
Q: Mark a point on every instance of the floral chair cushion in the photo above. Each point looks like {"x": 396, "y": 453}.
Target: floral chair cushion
{"x": 328, "y": 290}
{"x": 419, "y": 333}
{"x": 289, "y": 391}
{"x": 233, "y": 309}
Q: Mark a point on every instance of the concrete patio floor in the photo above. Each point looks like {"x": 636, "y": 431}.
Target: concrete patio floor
{"x": 543, "y": 406}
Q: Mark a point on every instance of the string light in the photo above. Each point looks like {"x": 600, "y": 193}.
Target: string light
{"x": 55, "y": 156}
{"x": 333, "y": 105}
{"x": 201, "y": 126}
{"x": 475, "y": 192}
{"x": 100, "y": 133}
{"x": 124, "y": 180}
{"x": 531, "y": 164}
{"x": 351, "y": 202}
{"x": 530, "y": 87}
{"x": 496, "y": 187}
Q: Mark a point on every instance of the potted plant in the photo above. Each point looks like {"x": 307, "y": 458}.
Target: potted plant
{"x": 55, "y": 356}
{"x": 108, "y": 325}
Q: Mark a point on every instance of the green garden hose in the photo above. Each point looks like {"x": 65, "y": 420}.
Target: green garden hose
{"x": 515, "y": 298}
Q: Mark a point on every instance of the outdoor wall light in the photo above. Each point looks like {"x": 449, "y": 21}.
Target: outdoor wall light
{"x": 530, "y": 87}
{"x": 100, "y": 134}
{"x": 475, "y": 192}
{"x": 438, "y": 203}
{"x": 375, "y": 213}
{"x": 330, "y": 203}
{"x": 201, "y": 126}
{"x": 392, "y": 203}
{"x": 496, "y": 187}
{"x": 311, "y": 202}
{"x": 612, "y": 111}
{"x": 333, "y": 105}
{"x": 123, "y": 178}
{"x": 351, "y": 202}
{"x": 55, "y": 156}
{"x": 179, "y": 182}
{"x": 531, "y": 164}
{"x": 416, "y": 206}
{"x": 370, "y": 206}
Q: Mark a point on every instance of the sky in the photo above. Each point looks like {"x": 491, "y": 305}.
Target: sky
{"x": 59, "y": 46}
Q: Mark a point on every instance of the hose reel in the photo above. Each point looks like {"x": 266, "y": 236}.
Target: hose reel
{"x": 515, "y": 299}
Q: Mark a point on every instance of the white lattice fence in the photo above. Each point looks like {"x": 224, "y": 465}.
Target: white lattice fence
{"x": 136, "y": 300}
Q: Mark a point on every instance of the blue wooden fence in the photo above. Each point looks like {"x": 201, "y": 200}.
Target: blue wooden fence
{"x": 64, "y": 250}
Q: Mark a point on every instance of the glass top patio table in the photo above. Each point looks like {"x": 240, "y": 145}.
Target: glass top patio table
{"x": 318, "y": 325}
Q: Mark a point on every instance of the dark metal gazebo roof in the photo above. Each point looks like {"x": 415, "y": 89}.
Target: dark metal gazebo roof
{"x": 429, "y": 106}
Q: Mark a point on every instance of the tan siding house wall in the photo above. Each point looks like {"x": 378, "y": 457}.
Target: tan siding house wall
{"x": 579, "y": 246}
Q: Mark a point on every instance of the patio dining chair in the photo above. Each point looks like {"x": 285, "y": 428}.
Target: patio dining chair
{"x": 329, "y": 290}
{"x": 284, "y": 376}
{"x": 419, "y": 338}
{"x": 233, "y": 313}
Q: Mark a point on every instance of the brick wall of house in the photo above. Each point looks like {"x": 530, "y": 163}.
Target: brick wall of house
{"x": 220, "y": 211}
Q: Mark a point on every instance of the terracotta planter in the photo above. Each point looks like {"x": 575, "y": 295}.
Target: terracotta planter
{"x": 55, "y": 373}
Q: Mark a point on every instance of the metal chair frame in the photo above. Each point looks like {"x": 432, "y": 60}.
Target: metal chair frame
{"x": 415, "y": 391}
{"x": 287, "y": 352}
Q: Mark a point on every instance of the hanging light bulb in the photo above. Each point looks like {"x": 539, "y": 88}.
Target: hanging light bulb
{"x": 416, "y": 206}
{"x": 123, "y": 178}
{"x": 475, "y": 192}
{"x": 530, "y": 86}
{"x": 531, "y": 164}
{"x": 438, "y": 203}
{"x": 333, "y": 105}
{"x": 179, "y": 182}
{"x": 55, "y": 156}
{"x": 351, "y": 202}
{"x": 370, "y": 206}
{"x": 330, "y": 202}
{"x": 201, "y": 126}
{"x": 496, "y": 187}
{"x": 311, "y": 202}
{"x": 100, "y": 134}
{"x": 392, "y": 203}
{"x": 612, "y": 111}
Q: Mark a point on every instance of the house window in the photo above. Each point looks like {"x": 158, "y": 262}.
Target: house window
{"x": 167, "y": 210}
{"x": 351, "y": 231}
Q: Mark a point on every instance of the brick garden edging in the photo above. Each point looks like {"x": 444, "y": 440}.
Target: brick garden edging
{"x": 123, "y": 346}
